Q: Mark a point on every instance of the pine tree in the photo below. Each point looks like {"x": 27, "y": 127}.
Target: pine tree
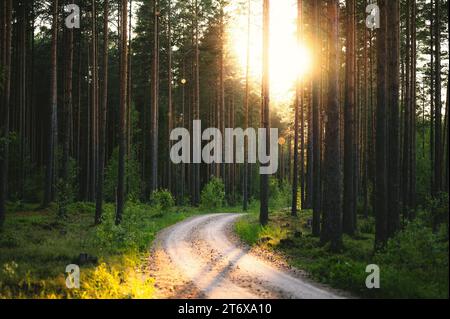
{"x": 122, "y": 113}
{"x": 393, "y": 86}
{"x": 265, "y": 120}
{"x": 298, "y": 106}
{"x": 102, "y": 118}
{"x": 332, "y": 199}
{"x": 381, "y": 134}
{"x": 155, "y": 98}
{"x": 349, "y": 209}
{"x": 316, "y": 156}
{"x": 5, "y": 104}
{"x": 53, "y": 131}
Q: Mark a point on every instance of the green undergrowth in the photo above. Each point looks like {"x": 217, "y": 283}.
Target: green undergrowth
{"x": 413, "y": 265}
{"x": 36, "y": 247}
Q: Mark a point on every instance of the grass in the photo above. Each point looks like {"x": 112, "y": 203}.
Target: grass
{"x": 36, "y": 246}
{"x": 414, "y": 265}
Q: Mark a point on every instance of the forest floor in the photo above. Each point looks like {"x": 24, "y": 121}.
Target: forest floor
{"x": 36, "y": 246}
{"x": 118, "y": 262}
{"x": 199, "y": 258}
{"x": 414, "y": 265}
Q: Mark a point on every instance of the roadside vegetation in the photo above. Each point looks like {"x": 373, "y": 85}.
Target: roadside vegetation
{"x": 414, "y": 263}
{"x": 36, "y": 246}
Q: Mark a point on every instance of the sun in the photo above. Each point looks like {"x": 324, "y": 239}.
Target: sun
{"x": 289, "y": 60}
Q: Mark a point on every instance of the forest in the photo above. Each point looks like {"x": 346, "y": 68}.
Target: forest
{"x": 92, "y": 90}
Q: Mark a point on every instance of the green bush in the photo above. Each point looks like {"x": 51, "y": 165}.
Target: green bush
{"x": 66, "y": 188}
{"x": 131, "y": 234}
{"x": 436, "y": 210}
{"x": 417, "y": 262}
{"x": 280, "y": 193}
{"x": 213, "y": 194}
{"x": 162, "y": 199}
{"x": 367, "y": 225}
{"x": 132, "y": 177}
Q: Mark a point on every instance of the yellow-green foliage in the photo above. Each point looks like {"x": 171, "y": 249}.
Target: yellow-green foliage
{"x": 120, "y": 280}
{"x": 36, "y": 246}
{"x": 252, "y": 233}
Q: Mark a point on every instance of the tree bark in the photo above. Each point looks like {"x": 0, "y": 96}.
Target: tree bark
{"x": 265, "y": 120}
{"x": 437, "y": 103}
{"x": 122, "y": 114}
{"x": 297, "y": 108}
{"x": 349, "y": 209}
{"x": 332, "y": 199}
{"x": 5, "y": 101}
{"x": 393, "y": 86}
{"x": 53, "y": 133}
{"x": 245, "y": 186}
{"x": 67, "y": 116}
{"x": 381, "y": 132}
{"x": 155, "y": 98}
{"x": 169, "y": 91}
{"x": 196, "y": 179}
{"x": 102, "y": 118}
{"x": 316, "y": 158}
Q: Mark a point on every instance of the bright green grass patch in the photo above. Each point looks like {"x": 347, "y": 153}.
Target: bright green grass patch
{"x": 414, "y": 265}
{"x": 251, "y": 233}
{"x": 36, "y": 246}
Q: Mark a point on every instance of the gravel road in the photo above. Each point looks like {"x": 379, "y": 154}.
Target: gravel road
{"x": 200, "y": 258}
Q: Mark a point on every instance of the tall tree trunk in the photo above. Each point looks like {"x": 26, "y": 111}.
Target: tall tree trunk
{"x": 437, "y": 103}
{"x": 407, "y": 116}
{"x": 365, "y": 115}
{"x": 413, "y": 125}
{"x": 349, "y": 208}
{"x": 446, "y": 150}
{"x": 432, "y": 107}
{"x": 221, "y": 102}
{"x": 169, "y": 91}
{"x": 67, "y": 116}
{"x": 183, "y": 124}
{"x": 381, "y": 134}
{"x": 265, "y": 120}
{"x": 53, "y": 131}
{"x": 393, "y": 87}
{"x": 94, "y": 107}
{"x": 303, "y": 204}
{"x": 332, "y": 199}
{"x": 4, "y": 102}
{"x": 316, "y": 158}
{"x": 122, "y": 114}
{"x": 129, "y": 80}
{"x": 297, "y": 108}
{"x": 155, "y": 98}
{"x": 102, "y": 118}
{"x": 196, "y": 179}
{"x": 309, "y": 161}
{"x": 245, "y": 186}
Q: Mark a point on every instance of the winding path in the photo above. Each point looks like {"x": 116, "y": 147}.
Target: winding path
{"x": 197, "y": 259}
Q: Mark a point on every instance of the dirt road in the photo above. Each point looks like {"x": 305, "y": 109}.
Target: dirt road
{"x": 199, "y": 258}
